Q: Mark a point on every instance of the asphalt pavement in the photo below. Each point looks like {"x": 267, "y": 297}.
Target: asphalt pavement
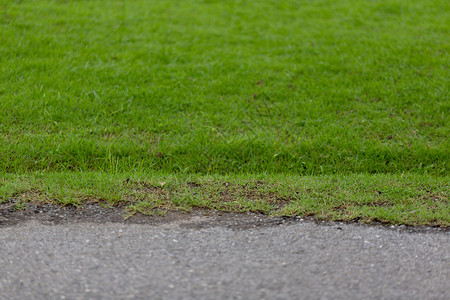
{"x": 204, "y": 257}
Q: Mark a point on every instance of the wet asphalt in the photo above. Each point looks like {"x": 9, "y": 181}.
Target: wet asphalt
{"x": 202, "y": 257}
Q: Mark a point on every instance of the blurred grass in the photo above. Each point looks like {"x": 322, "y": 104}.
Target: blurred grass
{"x": 339, "y": 109}
{"x": 299, "y": 87}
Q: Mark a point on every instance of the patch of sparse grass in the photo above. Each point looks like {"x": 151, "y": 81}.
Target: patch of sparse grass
{"x": 409, "y": 199}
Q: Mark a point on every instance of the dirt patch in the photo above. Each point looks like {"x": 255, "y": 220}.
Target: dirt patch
{"x": 54, "y": 214}
{"x": 51, "y": 214}
{"x": 95, "y": 213}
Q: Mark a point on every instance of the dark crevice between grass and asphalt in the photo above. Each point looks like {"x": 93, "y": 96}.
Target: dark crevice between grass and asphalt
{"x": 409, "y": 199}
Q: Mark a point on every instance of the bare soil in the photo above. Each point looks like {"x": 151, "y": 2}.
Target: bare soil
{"x": 51, "y": 214}
{"x": 95, "y": 213}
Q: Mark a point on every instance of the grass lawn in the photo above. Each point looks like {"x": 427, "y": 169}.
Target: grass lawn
{"x": 337, "y": 109}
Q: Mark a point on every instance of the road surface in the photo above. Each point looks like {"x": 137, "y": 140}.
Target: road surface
{"x": 222, "y": 257}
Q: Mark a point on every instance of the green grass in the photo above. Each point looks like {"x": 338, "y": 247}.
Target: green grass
{"x": 322, "y": 89}
{"x": 409, "y": 199}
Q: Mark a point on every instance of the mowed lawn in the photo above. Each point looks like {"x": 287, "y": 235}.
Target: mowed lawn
{"x": 332, "y": 109}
